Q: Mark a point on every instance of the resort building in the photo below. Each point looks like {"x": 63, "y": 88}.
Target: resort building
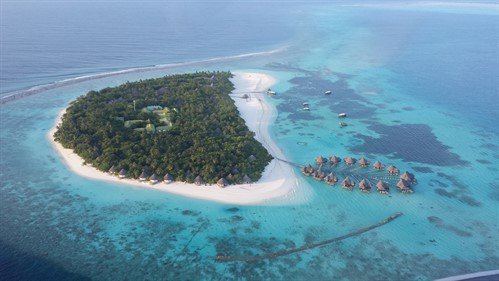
{"x": 143, "y": 176}
{"x": 392, "y": 170}
{"x": 382, "y": 187}
{"x": 331, "y": 179}
{"x": 349, "y": 160}
{"x": 378, "y": 166}
{"x": 122, "y": 174}
{"x": 198, "y": 180}
{"x": 319, "y": 160}
{"x": 168, "y": 178}
{"x": 222, "y": 183}
{"x": 364, "y": 186}
{"x": 246, "y": 179}
{"x": 363, "y": 162}
{"x": 404, "y": 186}
{"x": 333, "y": 160}
{"x": 153, "y": 179}
{"x": 348, "y": 184}
{"x": 408, "y": 177}
{"x": 113, "y": 170}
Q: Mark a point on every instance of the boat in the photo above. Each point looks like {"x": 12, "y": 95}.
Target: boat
{"x": 343, "y": 124}
{"x": 342, "y": 115}
{"x": 327, "y": 92}
{"x": 270, "y": 92}
{"x": 306, "y": 107}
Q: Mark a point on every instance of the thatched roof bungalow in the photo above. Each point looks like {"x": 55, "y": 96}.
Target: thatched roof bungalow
{"x": 143, "y": 176}
{"x": 363, "y": 162}
{"x": 378, "y": 166}
{"x": 392, "y": 170}
{"x": 348, "y": 184}
{"x": 113, "y": 170}
{"x": 122, "y": 174}
{"x": 349, "y": 160}
{"x": 331, "y": 179}
{"x": 382, "y": 187}
{"x": 319, "y": 175}
{"x": 408, "y": 177}
{"x": 364, "y": 186}
{"x": 333, "y": 160}
{"x": 153, "y": 179}
{"x": 246, "y": 179}
{"x": 198, "y": 180}
{"x": 319, "y": 160}
{"x": 168, "y": 178}
{"x": 308, "y": 170}
{"x": 222, "y": 183}
{"x": 404, "y": 186}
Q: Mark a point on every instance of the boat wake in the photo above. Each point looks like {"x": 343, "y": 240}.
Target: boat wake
{"x": 10, "y": 96}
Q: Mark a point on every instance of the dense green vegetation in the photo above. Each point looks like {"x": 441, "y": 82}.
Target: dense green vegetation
{"x": 205, "y": 135}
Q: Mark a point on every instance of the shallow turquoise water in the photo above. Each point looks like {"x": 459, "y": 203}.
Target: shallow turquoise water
{"x": 55, "y": 224}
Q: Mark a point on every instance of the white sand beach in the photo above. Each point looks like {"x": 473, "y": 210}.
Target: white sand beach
{"x": 278, "y": 183}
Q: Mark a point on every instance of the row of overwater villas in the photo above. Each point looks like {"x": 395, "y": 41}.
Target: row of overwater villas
{"x": 403, "y": 184}
{"x": 168, "y": 178}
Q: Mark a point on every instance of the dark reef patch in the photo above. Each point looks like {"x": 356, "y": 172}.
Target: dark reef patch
{"x": 483, "y": 161}
{"x": 438, "y": 222}
{"x": 233, "y": 209}
{"x": 424, "y": 170}
{"x": 409, "y": 142}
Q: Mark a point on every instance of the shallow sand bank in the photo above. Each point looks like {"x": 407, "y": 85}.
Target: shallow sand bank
{"x": 278, "y": 183}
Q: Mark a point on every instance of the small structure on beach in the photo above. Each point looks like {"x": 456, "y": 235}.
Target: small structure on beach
{"x": 113, "y": 170}
{"x": 404, "y": 186}
{"x": 348, "y": 184}
{"x": 252, "y": 158}
{"x": 198, "y": 180}
{"x": 246, "y": 179}
{"x": 392, "y": 170}
{"x": 143, "y": 176}
{"x": 363, "y": 162}
{"x": 382, "y": 187}
{"x": 364, "y": 186}
{"x": 331, "y": 179}
{"x": 349, "y": 160}
{"x": 122, "y": 174}
{"x": 153, "y": 179}
{"x": 408, "y": 177}
{"x": 319, "y": 160}
{"x": 168, "y": 178}
{"x": 222, "y": 183}
{"x": 333, "y": 160}
{"x": 378, "y": 166}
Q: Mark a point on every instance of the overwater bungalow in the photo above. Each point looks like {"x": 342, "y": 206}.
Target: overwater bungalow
{"x": 222, "y": 183}
{"x": 348, "y": 184}
{"x": 198, "y": 180}
{"x": 378, "y": 166}
{"x": 364, "y": 186}
{"x": 392, "y": 170}
{"x": 382, "y": 187}
{"x": 408, "y": 177}
{"x": 333, "y": 160}
{"x": 122, "y": 174}
{"x": 349, "y": 160}
{"x": 307, "y": 170}
{"x": 404, "y": 186}
{"x": 113, "y": 170}
{"x": 331, "y": 179}
{"x": 319, "y": 175}
{"x": 143, "y": 176}
{"x": 168, "y": 178}
{"x": 363, "y": 162}
{"x": 153, "y": 179}
{"x": 246, "y": 179}
{"x": 319, "y": 160}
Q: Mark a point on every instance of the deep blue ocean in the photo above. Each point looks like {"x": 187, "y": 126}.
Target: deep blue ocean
{"x": 419, "y": 82}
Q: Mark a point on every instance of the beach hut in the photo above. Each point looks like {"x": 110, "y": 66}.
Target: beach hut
{"x": 382, "y": 187}
{"x": 333, "y": 160}
{"x": 168, "y": 178}
{"x": 331, "y": 179}
{"x": 364, "y": 186}
{"x": 113, "y": 170}
{"x": 198, "y": 180}
{"x": 222, "y": 183}
{"x": 252, "y": 158}
{"x": 378, "y": 166}
{"x": 349, "y": 160}
{"x": 392, "y": 170}
{"x": 347, "y": 183}
{"x": 246, "y": 179}
{"x": 319, "y": 160}
{"x": 363, "y": 162}
{"x": 143, "y": 176}
{"x": 122, "y": 174}
{"x": 153, "y": 179}
{"x": 408, "y": 177}
{"x": 404, "y": 186}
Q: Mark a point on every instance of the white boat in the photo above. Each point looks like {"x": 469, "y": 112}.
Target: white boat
{"x": 327, "y": 92}
{"x": 342, "y": 115}
{"x": 306, "y": 108}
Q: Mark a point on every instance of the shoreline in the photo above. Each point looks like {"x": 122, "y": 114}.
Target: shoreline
{"x": 278, "y": 180}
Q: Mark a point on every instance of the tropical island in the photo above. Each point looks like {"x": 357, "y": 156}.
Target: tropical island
{"x": 185, "y": 127}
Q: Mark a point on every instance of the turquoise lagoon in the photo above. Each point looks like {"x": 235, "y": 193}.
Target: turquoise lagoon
{"x": 420, "y": 94}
